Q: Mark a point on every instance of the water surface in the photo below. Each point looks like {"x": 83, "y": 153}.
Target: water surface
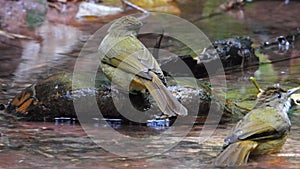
{"x": 49, "y": 145}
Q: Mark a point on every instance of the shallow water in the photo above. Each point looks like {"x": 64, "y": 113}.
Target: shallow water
{"x": 50, "y": 145}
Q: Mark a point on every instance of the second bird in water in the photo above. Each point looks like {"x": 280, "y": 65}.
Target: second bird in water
{"x": 263, "y": 130}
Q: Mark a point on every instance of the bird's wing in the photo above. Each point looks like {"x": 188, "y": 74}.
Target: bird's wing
{"x": 258, "y": 124}
{"x": 128, "y": 54}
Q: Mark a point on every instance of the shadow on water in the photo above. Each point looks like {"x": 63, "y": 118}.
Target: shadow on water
{"x": 36, "y": 145}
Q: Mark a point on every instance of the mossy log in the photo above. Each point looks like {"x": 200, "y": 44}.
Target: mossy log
{"x": 54, "y": 97}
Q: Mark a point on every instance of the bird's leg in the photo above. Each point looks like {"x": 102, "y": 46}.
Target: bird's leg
{"x": 260, "y": 90}
{"x": 157, "y": 45}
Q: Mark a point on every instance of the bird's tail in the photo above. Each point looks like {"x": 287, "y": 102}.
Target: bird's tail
{"x": 236, "y": 154}
{"x": 167, "y": 103}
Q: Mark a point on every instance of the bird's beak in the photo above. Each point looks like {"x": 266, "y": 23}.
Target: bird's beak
{"x": 292, "y": 91}
{"x": 296, "y": 98}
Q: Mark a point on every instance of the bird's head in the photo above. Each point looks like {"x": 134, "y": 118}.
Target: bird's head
{"x": 275, "y": 97}
{"x": 126, "y": 25}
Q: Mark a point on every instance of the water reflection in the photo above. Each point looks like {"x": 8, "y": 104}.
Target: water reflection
{"x": 24, "y": 62}
{"x": 267, "y": 73}
{"x": 40, "y": 57}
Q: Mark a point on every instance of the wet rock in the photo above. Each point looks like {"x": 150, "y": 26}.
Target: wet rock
{"x": 281, "y": 47}
{"x": 51, "y": 98}
{"x": 87, "y": 9}
{"x": 54, "y": 97}
{"x": 233, "y": 53}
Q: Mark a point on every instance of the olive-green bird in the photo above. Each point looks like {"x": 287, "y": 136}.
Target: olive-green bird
{"x": 263, "y": 130}
{"x": 129, "y": 64}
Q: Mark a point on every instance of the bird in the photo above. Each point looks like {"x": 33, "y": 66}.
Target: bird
{"x": 263, "y": 130}
{"x": 125, "y": 60}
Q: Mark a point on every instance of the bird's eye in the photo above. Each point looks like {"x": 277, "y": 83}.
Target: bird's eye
{"x": 278, "y": 95}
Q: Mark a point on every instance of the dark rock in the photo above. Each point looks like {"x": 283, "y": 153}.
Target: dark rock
{"x": 232, "y": 53}
{"x": 54, "y": 97}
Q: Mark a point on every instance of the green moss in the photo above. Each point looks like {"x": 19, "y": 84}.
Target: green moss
{"x": 242, "y": 93}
